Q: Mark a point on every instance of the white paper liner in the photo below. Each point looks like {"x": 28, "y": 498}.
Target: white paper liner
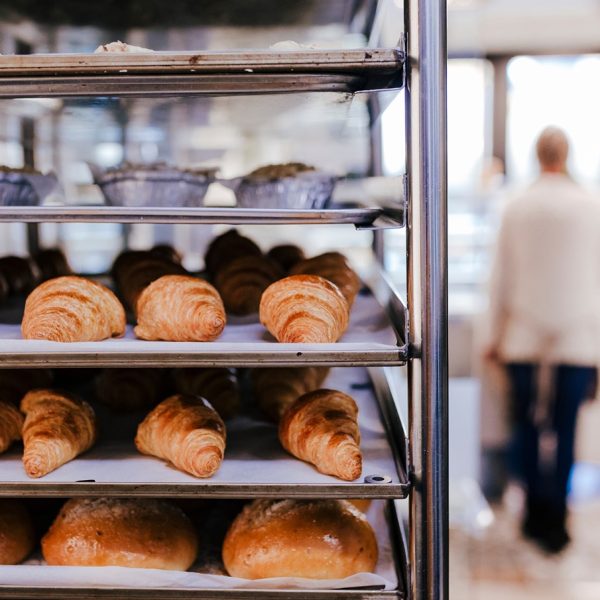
{"x": 369, "y": 328}
{"x": 36, "y": 573}
{"x": 253, "y": 453}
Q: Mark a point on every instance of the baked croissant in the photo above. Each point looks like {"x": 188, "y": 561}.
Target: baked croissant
{"x": 218, "y": 386}
{"x": 15, "y": 383}
{"x": 57, "y": 428}
{"x": 226, "y": 247}
{"x": 128, "y": 390}
{"x": 321, "y": 428}
{"x": 21, "y": 273}
{"x": 72, "y": 309}
{"x": 286, "y": 255}
{"x": 180, "y": 308}
{"x": 242, "y": 281}
{"x": 11, "y": 424}
{"x": 334, "y": 267}
{"x": 52, "y": 263}
{"x": 275, "y": 389}
{"x": 304, "y": 308}
{"x": 186, "y": 431}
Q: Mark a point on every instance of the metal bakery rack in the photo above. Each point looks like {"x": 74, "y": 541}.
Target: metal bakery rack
{"x": 400, "y": 465}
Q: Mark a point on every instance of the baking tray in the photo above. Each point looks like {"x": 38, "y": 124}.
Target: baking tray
{"x": 375, "y": 337}
{"x": 255, "y": 464}
{"x": 210, "y": 73}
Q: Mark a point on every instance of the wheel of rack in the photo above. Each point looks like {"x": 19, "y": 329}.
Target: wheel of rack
{"x": 413, "y": 466}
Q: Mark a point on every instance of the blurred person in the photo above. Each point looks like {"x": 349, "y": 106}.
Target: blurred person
{"x": 545, "y": 329}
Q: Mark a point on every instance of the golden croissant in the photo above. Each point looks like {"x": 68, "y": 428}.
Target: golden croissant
{"x": 276, "y": 388}
{"x": 57, "y": 428}
{"x": 186, "y": 431}
{"x": 242, "y": 281}
{"x": 72, "y": 309}
{"x": 128, "y": 390}
{"x": 334, "y": 267}
{"x": 180, "y": 308}
{"x": 11, "y": 424}
{"x": 218, "y": 386}
{"x": 305, "y": 309}
{"x": 321, "y": 428}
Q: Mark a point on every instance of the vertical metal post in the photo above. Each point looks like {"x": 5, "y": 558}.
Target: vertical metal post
{"x": 427, "y": 296}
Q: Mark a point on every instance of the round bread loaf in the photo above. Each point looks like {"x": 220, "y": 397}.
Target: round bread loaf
{"x": 318, "y": 539}
{"x": 122, "y": 532}
{"x": 16, "y": 532}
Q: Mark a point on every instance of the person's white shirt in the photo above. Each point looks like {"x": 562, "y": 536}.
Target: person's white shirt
{"x": 545, "y": 284}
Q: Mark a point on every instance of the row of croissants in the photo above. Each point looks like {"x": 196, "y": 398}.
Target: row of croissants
{"x": 317, "y": 539}
{"x": 298, "y": 300}
{"x": 316, "y": 425}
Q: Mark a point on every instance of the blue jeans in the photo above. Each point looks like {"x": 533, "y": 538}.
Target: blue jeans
{"x": 546, "y": 473}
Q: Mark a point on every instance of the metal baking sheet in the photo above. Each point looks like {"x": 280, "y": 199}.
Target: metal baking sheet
{"x": 362, "y": 217}
{"x": 255, "y": 464}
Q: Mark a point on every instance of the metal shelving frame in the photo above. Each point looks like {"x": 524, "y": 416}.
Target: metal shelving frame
{"x": 420, "y": 65}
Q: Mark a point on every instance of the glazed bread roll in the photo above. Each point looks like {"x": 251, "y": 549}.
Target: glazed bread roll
{"x": 180, "y": 308}
{"x": 318, "y": 539}
{"x": 286, "y": 255}
{"x": 57, "y": 428}
{"x": 128, "y": 390}
{"x": 242, "y": 281}
{"x": 15, "y": 383}
{"x": 17, "y": 537}
{"x": 227, "y": 247}
{"x": 304, "y": 309}
{"x": 72, "y": 309}
{"x": 21, "y": 274}
{"x": 11, "y": 425}
{"x": 52, "y": 263}
{"x": 276, "y": 389}
{"x": 334, "y": 267}
{"x": 218, "y": 386}
{"x": 321, "y": 428}
{"x": 186, "y": 431}
{"x": 121, "y": 532}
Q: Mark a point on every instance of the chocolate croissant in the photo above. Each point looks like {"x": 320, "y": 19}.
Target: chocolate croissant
{"x": 128, "y": 390}
{"x": 186, "y": 431}
{"x": 180, "y": 308}
{"x": 305, "y": 309}
{"x": 52, "y": 263}
{"x": 218, "y": 386}
{"x": 286, "y": 255}
{"x": 21, "y": 274}
{"x": 72, "y": 309}
{"x": 11, "y": 424}
{"x": 334, "y": 267}
{"x": 242, "y": 281}
{"x": 276, "y": 389}
{"x": 225, "y": 248}
{"x": 57, "y": 428}
{"x": 321, "y": 428}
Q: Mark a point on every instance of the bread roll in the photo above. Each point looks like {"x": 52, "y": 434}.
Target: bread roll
{"x": 286, "y": 255}
{"x": 11, "y": 425}
{"x": 128, "y": 390}
{"x": 52, "y": 263}
{"x": 321, "y": 428}
{"x": 180, "y": 308}
{"x": 16, "y": 532}
{"x": 121, "y": 532}
{"x": 277, "y": 388}
{"x": 187, "y": 431}
{"x": 57, "y": 428}
{"x": 317, "y": 539}
{"x": 304, "y": 309}
{"x": 218, "y": 386}
{"x": 72, "y": 309}
{"x": 242, "y": 281}
{"x": 227, "y": 247}
{"x": 21, "y": 273}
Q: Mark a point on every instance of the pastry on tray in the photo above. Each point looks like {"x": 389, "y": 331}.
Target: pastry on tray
{"x": 57, "y": 428}
{"x": 52, "y": 263}
{"x": 321, "y": 428}
{"x": 21, "y": 274}
{"x": 286, "y": 255}
{"x": 317, "y": 539}
{"x": 17, "y": 536}
{"x": 11, "y": 425}
{"x": 180, "y": 308}
{"x": 186, "y": 431}
{"x": 305, "y": 309}
{"x": 120, "y": 47}
{"x": 121, "y": 532}
{"x": 129, "y": 390}
{"x": 279, "y": 171}
{"x": 227, "y": 247}
{"x": 72, "y": 309}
